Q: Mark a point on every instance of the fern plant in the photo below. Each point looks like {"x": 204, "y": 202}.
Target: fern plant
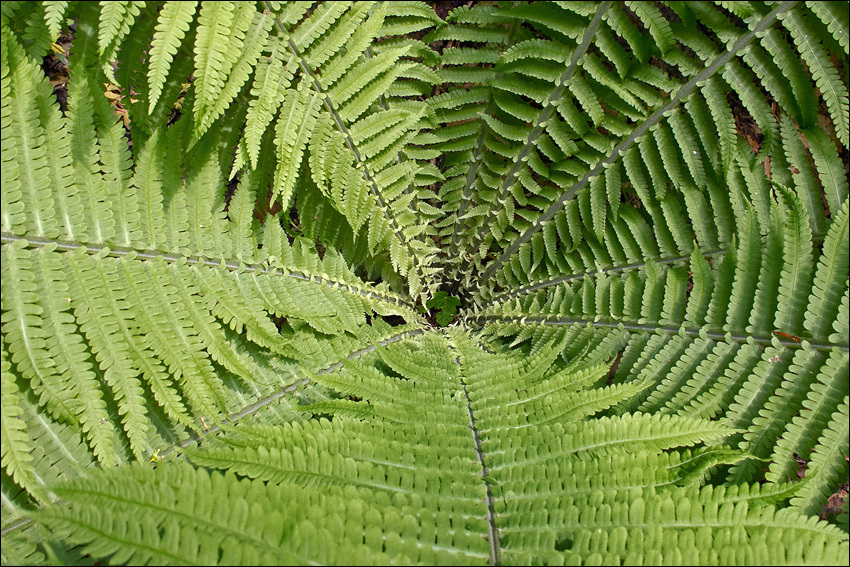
{"x": 212, "y": 345}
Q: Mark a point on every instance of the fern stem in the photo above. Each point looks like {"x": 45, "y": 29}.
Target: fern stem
{"x": 18, "y": 525}
{"x": 199, "y": 260}
{"x": 573, "y": 277}
{"x": 493, "y": 534}
{"x": 656, "y": 117}
{"x": 669, "y": 329}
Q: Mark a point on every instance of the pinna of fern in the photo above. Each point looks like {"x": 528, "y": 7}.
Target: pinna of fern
{"x": 216, "y": 309}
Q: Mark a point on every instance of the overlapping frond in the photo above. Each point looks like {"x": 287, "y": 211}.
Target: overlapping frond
{"x": 696, "y": 280}
{"x": 528, "y": 485}
{"x": 139, "y": 307}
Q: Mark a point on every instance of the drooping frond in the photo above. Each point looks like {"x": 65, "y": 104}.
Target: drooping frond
{"x": 173, "y": 25}
{"x": 54, "y": 10}
{"x": 116, "y": 18}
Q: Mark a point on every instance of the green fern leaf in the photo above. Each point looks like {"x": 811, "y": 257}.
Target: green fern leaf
{"x": 830, "y": 275}
{"x": 294, "y": 126}
{"x": 213, "y": 56}
{"x": 16, "y": 445}
{"x": 825, "y": 75}
{"x": 54, "y": 11}
{"x": 116, "y": 18}
{"x": 174, "y": 21}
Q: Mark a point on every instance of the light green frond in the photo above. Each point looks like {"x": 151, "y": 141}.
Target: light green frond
{"x": 116, "y": 18}
{"x": 17, "y": 447}
{"x": 295, "y": 124}
{"x": 115, "y": 162}
{"x": 340, "y": 63}
{"x": 830, "y": 278}
{"x": 371, "y": 463}
{"x": 174, "y": 21}
{"x": 99, "y": 222}
{"x": 841, "y": 325}
{"x": 213, "y": 54}
{"x": 27, "y": 131}
{"x": 318, "y": 51}
{"x": 54, "y": 11}
{"x": 271, "y": 79}
{"x": 13, "y": 216}
{"x": 249, "y": 48}
{"x": 25, "y": 335}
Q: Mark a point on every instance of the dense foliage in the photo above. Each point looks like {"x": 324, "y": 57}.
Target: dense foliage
{"x": 224, "y": 225}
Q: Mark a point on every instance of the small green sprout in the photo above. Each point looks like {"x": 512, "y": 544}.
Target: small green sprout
{"x": 445, "y": 305}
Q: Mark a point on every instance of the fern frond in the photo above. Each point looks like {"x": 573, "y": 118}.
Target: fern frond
{"x": 17, "y": 447}
{"x": 389, "y": 473}
{"x": 830, "y": 278}
{"x": 99, "y": 222}
{"x": 822, "y": 398}
{"x": 25, "y": 334}
{"x": 27, "y": 132}
{"x": 250, "y": 48}
{"x": 271, "y": 79}
{"x": 116, "y": 18}
{"x": 13, "y": 216}
{"x": 823, "y": 72}
{"x": 834, "y": 20}
{"x": 54, "y": 11}
{"x": 295, "y": 124}
{"x": 214, "y": 56}
{"x": 828, "y": 464}
{"x": 828, "y": 166}
{"x": 173, "y": 23}
{"x": 797, "y": 264}
{"x": 804, "y": 179}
